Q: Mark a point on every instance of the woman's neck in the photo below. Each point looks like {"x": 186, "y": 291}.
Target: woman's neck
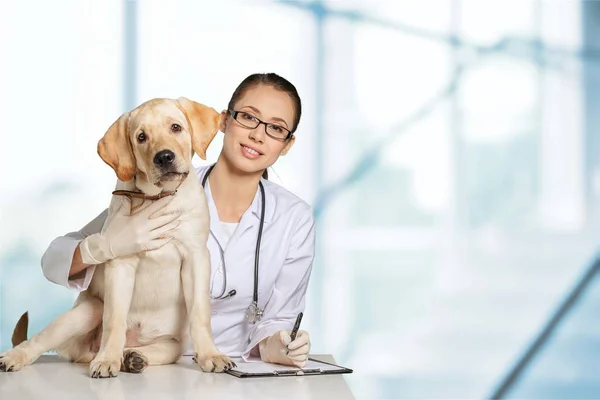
{"x": 232, "y": 191}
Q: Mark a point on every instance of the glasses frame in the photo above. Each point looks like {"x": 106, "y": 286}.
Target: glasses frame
{"x": 234, "y": 114}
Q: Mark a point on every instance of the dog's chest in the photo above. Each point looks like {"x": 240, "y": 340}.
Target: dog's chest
{"x": 158, "y": 276}
{"x": 166, "y": 260}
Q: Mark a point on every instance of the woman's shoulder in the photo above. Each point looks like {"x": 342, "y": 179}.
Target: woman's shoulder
{"x": 287, "y": 204}
{"x": 201, "y": 170}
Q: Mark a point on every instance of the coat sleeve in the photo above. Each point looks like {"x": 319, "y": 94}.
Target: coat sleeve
{"x": 56, "y": 260}
{"x": 289, "y": 292}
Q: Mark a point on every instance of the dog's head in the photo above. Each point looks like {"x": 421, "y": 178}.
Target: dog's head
{"x": 156, "y": 141}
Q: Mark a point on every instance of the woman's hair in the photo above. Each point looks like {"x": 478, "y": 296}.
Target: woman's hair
{"x": 278, "y": 83}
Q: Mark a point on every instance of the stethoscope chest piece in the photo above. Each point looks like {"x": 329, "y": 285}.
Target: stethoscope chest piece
{"x": 253, "y": 313}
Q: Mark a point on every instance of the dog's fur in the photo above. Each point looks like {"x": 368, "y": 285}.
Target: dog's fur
{"x": 138, "y": 310}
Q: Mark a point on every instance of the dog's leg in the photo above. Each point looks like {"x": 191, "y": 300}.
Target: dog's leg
{"x": 119, "y": 279}
{"x": 195, "y": 281}
{"x": 78, "y": 321}
{"x": 136, "y": 359}
{"x": 83, "y": 348}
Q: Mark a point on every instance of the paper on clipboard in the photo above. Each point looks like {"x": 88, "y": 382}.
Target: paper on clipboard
{"x": 262, "y": 369}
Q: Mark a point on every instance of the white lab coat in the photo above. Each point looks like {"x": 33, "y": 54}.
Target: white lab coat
{"x": 286, "y": 257}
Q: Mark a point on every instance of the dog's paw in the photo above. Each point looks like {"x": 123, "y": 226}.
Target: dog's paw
{"x": 134, "y": 361}
{"x": 13, "y": 360}
{"x": 214, "y": 362}
{"x": 100, "y": 368}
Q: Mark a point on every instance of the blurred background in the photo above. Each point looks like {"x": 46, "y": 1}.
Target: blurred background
{"x": 450, "y": 150}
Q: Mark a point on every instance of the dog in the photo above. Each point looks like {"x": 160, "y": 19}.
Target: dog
{"x": 142, "y": 309}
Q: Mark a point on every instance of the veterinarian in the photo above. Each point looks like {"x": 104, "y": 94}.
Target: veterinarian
{"x": 254, "y": 302}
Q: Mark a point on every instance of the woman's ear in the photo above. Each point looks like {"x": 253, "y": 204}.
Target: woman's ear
{"x": 115, "y": 149}
{"x": 288, "y": 146}
{"x": 223, "y": 123}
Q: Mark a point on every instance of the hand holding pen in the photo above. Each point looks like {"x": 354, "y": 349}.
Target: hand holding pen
{"x": 297, "y": 344}
{"x": 287, "y": 347}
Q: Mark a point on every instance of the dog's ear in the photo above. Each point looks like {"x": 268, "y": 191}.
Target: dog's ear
{"x": 204, "y": 122}
{"x": 115, "y": 150}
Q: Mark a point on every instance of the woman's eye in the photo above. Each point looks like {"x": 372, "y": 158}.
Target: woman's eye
{"x": 277, "y": 128}
{"x": 175, "y": 128}
{"x": 141, "y": 137}
{"x": 247, "y": 116}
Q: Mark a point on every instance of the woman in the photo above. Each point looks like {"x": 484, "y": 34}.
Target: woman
{"x": 258, "y": 126}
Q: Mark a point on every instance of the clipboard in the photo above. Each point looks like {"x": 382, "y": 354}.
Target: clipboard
{"x": 259, "y": 369}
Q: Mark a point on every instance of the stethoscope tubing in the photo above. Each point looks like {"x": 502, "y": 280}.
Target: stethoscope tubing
{"x": 256, "y": 253}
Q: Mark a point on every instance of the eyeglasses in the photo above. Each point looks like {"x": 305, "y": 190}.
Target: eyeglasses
{"x": 248, "y": 120}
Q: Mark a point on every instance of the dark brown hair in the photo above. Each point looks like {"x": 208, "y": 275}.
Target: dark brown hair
{"x": 276, "y": 82}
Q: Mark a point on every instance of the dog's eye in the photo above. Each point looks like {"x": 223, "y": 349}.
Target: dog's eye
{"x": 175, "y": 128}
{"x": 141, "y": 137}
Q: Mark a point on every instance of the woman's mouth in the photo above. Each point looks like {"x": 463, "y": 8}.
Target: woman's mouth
{"x": 250, "y": 152}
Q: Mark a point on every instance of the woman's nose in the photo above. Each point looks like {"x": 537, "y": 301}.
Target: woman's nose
{"x": 257, "y": 134}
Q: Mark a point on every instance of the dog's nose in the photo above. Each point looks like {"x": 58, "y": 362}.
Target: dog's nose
{"x": 164, "y": 158}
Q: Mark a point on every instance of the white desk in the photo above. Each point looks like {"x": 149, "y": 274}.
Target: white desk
{"x": 52, "y": 378}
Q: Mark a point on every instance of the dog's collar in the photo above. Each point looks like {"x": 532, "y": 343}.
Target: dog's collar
{"x": 131, "y": 193}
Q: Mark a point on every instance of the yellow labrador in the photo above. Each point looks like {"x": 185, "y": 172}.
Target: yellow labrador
{"x": 141, "y": 309}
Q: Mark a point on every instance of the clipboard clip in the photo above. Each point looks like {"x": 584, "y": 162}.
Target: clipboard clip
{"x": 300, "y": 372}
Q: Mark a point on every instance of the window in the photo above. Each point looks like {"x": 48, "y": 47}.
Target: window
{"x": 62, "y": 88}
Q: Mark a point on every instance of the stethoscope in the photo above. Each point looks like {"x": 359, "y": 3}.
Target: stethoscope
{"x": 254, "y": 312}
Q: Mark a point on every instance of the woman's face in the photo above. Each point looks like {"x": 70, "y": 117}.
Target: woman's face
{"x": 252, "y": 150}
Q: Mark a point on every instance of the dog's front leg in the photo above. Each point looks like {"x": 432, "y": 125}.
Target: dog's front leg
{"x": 195, "y": 282}
{"x": 119, "y": 279}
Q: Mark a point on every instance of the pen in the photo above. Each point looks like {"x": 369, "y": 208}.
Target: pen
{"x": 295, "y": 330}
{"x": 296, "y": 327}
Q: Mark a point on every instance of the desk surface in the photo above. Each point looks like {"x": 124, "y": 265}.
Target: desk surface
{"x": 52, "y": 378}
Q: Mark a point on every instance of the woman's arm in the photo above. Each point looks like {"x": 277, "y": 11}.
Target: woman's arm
{"x": 61, "y": 262}
{"x": 288, "y": 298}
{"x": 77, "y": 265}
{"x": 70, "y": 260}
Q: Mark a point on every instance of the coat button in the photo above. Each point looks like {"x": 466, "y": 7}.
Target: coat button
{"x": 214, "y": 313}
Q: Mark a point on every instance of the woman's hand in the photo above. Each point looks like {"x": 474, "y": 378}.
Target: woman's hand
{"x": 129, "y": 234}
{"x": 280, "y": 349}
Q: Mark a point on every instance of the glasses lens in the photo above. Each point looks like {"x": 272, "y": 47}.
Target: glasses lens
{"x": 246, "y": 119}
{"x": 277, "y": 131}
